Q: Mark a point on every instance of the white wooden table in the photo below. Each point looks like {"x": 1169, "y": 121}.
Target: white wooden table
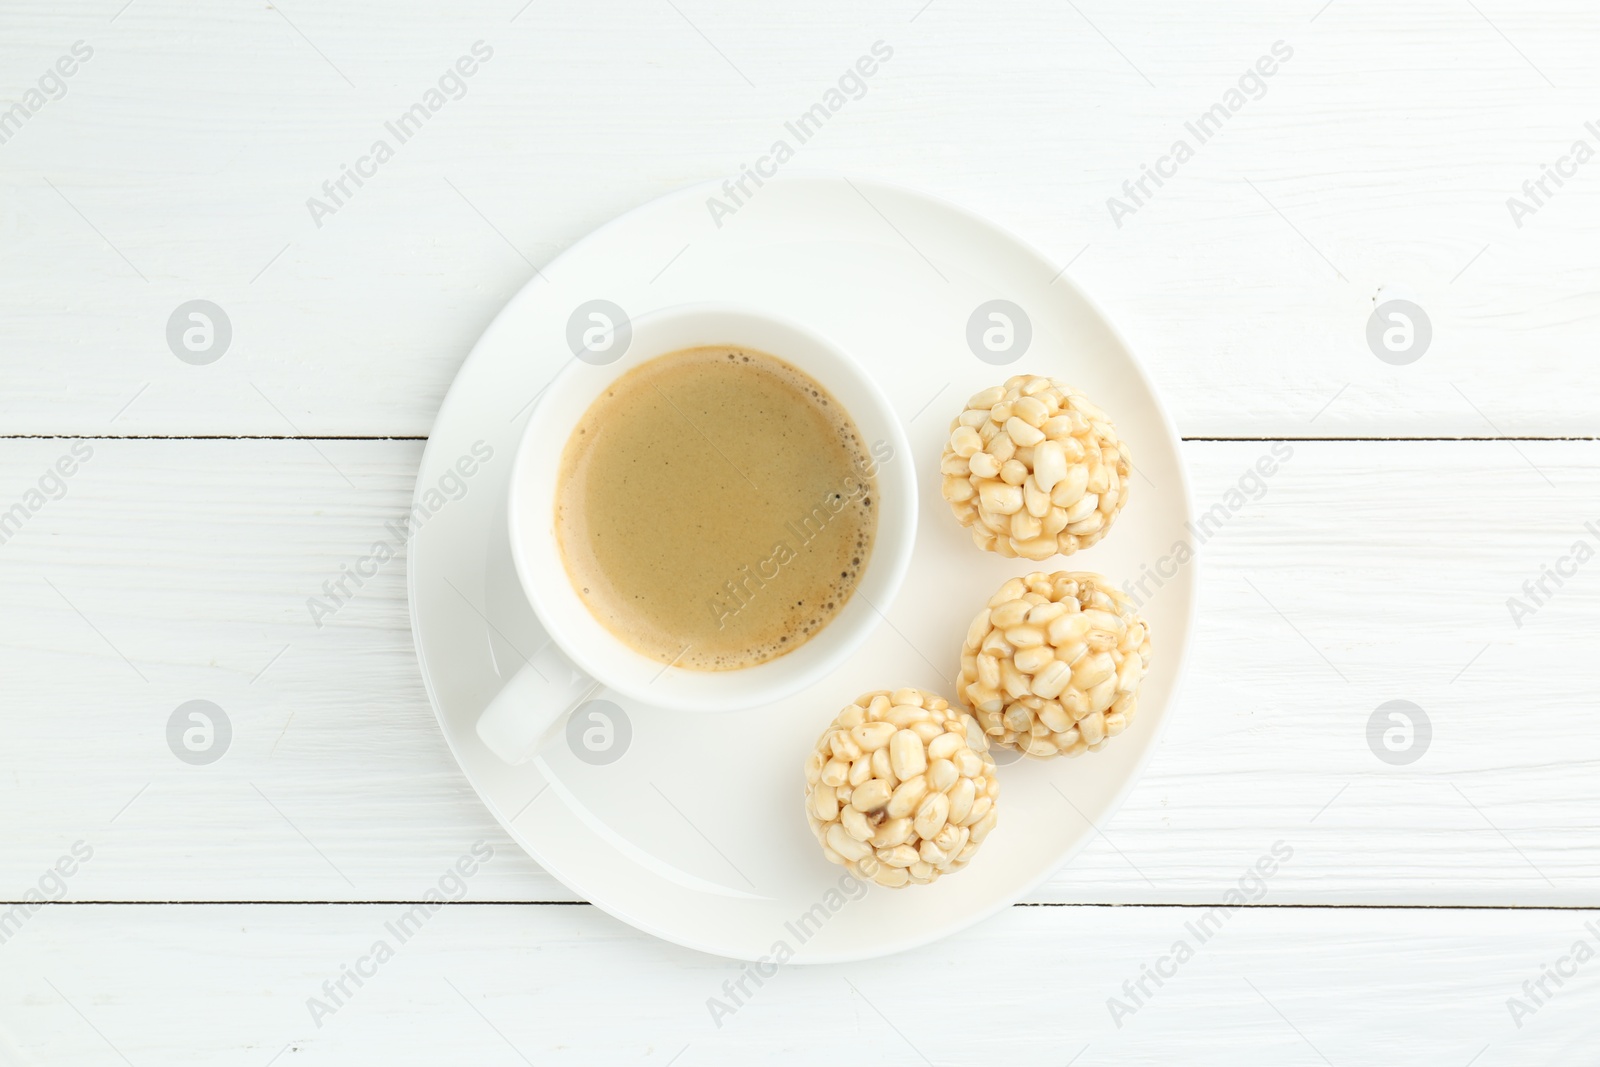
{"x": 174, "y": 563}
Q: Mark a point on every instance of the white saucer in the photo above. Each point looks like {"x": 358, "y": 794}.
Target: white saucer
{"x": 696, "y": 833}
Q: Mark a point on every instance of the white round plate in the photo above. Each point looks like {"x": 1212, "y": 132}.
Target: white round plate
{"x": 694, "y": 830}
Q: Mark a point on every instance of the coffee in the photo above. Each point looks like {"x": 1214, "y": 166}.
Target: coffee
{"x": 715, "y": 507}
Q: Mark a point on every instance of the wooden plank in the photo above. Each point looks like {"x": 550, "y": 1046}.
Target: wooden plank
{"x": 1361, "y": 574}
{"x": 1378, "y": 163}
{"x": 226, "y": 984}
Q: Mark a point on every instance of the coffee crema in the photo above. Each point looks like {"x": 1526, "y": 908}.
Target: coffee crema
{"x": 715, "y": 507}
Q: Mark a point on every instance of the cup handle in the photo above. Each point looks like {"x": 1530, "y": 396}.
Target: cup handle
{"x": 529, "y": 707}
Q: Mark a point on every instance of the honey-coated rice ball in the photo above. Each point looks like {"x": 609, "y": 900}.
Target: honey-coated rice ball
{"x": 901, "y": 788}
{"x": 1052, "y": 664}
{"x": 1034, "y": 469}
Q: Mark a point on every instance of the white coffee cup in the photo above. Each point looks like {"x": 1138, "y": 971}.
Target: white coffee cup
{"x": 584, "y": 657}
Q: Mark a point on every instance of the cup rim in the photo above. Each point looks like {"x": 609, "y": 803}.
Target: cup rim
{"x": 783, "y": 676}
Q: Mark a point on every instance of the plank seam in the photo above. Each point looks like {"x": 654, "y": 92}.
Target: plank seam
{"x": 587, "y": 904}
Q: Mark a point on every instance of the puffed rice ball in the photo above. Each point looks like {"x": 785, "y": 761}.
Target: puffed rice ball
{"x": 901, "y": 788}
{"x": 1053, "y": 663}
{"x": 1034, "y": 469}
